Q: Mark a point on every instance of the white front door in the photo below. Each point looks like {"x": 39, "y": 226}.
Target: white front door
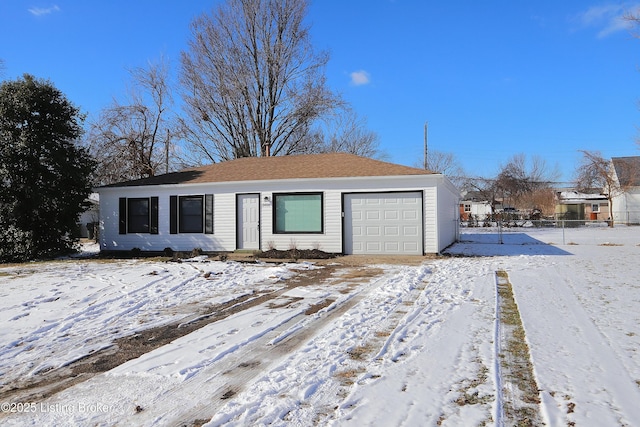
{"x": 248, "y": 221}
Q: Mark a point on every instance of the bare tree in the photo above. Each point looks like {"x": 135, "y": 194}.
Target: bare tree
{"x": 633, "y": 18}
{"x": 346, "y": 132}
{"x": 596, "y": 172}
{"x": 485, "y": 188}
{"x": 253, "y": 85}
{"x": 522, "y": 183}
{"x": 446, "y": 164}
{"x": 137, "y": 138}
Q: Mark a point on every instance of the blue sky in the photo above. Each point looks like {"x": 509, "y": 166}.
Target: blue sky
{"x": 493, "y": 79}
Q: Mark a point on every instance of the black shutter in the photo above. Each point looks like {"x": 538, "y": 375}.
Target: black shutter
{"x": 208, "y": 213}
{"x": 173, "y": 214}
{"x": 153, "y": 229}
{"x": 122, "y": 215}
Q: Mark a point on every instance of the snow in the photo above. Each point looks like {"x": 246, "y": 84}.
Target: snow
{"x": 384, "y": 345}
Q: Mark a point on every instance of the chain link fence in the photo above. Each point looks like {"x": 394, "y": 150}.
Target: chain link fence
{"x": 517, "y": 219}
{"x": 557, "y": 230}
{"x": 626, "y": 217}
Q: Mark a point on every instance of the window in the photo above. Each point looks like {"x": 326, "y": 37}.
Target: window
{"x": 298, "y": 213}
{"x": 138, "y": 215}
{"x": 191, "y": 214}
{"x": 595, "y": 207}
{"x": 467, "y": 207}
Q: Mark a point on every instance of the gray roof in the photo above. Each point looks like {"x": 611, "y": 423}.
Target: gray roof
{"x": 628, "y": 170}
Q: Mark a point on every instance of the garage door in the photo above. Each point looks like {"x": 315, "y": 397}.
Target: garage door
{"x": 383, "y": 223}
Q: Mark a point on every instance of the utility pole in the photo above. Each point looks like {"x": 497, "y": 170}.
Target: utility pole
{"x": 426, "y": 150}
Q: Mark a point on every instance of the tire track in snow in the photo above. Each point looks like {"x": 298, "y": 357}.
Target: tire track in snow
{"x": 231, "y": 374}
{"x": 446, "y": 298}
{"x": 57, "y": 329}
{"x": 76, "y": 371}
{"x": 497, "y": 343}
{"x": 335, "y": 360}
{"x": 48, "y": 379}
{"x": 382, "y": 334}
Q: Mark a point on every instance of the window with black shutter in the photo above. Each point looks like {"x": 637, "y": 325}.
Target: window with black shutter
{"x": 138, "y": 215}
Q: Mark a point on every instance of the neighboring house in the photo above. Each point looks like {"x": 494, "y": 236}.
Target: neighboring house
{"x": 574, "y": 205}
{"x": 89, "y": 217}
{"x": 338, "y": 203}
{"x": 474, "y": 204}
{"x": 626, "y": 204}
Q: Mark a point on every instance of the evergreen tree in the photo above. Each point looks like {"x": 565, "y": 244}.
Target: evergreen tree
{"x": 44, "y": 174}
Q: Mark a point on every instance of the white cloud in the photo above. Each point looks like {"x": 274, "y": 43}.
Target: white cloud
{"x": 359, "y": 78}
{"x": 40, "y": 11}
{"x": 608, "y": 18}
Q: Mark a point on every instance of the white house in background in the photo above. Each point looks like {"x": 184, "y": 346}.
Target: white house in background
{"x": 336, "y": 202}
{"x": 473, "y": 203}
{"x": 626, "y": 206}
{"x": 91, "y": 215}
{"x": 576, "y": 205}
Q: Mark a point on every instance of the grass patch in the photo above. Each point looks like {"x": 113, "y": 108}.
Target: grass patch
{"x": 359, "y": 352}
{"x": 473, "y": 399}
{"x": 515, "y": 359}
{"x": 468, "y": 393}
{"x": 348, "y": 376}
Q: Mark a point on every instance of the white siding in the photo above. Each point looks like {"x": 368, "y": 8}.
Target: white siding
{"x": 430, "y": 220}
{"x": 626, "y": 207}
{"x": 480, "y": 209}
{"x": 224, "y": 221}
{"x": 448, "y": 214}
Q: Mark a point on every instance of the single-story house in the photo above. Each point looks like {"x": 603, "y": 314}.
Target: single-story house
{"x": 335, "y": 202}
{"x": 473, "y": 203}
{"x": 575, "y": 205}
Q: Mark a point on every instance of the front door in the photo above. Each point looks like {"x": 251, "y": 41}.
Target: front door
{"x": 248, "y": 223}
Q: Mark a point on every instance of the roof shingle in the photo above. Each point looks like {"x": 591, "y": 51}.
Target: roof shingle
{"x": 329, "y": 165}
{"x": 627, "y": 170}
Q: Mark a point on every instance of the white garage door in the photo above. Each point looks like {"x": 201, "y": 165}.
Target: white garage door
{"x": 383, "y": 223}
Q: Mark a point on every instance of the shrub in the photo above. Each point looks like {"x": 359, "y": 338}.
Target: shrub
{"x": 45, "y": 176}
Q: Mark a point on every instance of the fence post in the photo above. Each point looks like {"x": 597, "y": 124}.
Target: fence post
{"x": 563, "y": 243}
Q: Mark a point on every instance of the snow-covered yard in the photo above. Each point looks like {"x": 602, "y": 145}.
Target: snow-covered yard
{"x": 376, "y": 345}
